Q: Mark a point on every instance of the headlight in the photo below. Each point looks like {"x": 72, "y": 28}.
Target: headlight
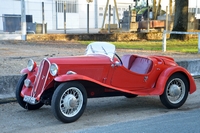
{"x": 31, "y": 65}
{"x": 53, "y": 69}
{"x": 27, "y": 83}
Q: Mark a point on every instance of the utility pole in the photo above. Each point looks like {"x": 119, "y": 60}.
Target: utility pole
{"x": 23, "y": 20}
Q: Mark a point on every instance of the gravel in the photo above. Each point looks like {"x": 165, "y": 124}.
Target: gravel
{"x": 15, "y": 54}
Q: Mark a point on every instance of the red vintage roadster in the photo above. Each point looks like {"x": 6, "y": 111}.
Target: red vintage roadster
{"x": 65, "y": 83}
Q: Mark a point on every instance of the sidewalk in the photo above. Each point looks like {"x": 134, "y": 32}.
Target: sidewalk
{"x": 73, "y": 31}
{"x": 17, "y": 35}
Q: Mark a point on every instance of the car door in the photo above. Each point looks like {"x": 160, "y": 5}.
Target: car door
{"x": 141, "y": 78}
{"x": 124, "y": 78}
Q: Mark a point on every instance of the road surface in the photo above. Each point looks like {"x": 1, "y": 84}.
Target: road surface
{"x": 104, "y": 114}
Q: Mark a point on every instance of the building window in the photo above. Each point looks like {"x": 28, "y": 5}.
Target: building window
{"x": 100, "y": 8}
{"x": 71, "y": 6}
{"x": 60, "y": 7}
{"x": 193, "y": 10}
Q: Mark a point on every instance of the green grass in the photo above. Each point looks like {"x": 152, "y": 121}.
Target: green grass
{"x": 190, "y": 46}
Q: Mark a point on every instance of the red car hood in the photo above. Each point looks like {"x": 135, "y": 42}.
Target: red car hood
{"x": 85, "y": 59}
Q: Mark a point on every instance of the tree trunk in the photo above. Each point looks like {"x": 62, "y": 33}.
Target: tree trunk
{"x": 180, "y": 19}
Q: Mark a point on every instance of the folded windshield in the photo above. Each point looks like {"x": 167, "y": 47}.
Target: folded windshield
{"x": 104, "y": 48}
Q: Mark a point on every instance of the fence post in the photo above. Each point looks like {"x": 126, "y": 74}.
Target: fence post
{"x": 88, "y": 8}
{"x": 109, "y": 17}
{"x": 164, "y": 41}
{"x": 166, "y": 25}
{"x": 65, "y": 20}
{"x": 43, "y": 26}
{"x": 199, "y": 42}
{"x": 23, "y": 20}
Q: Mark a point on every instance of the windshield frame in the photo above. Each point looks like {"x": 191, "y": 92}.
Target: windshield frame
{"x": 103, "y": 48}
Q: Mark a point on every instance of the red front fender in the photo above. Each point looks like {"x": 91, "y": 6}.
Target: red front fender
{"x": 24, "y": 71}
{"x": 63, "y": 78}
{"x": 164, "y": 76}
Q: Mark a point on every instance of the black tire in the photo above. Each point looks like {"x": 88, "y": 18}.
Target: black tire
{"x": 20, "y": 98}
{"x": 176, "y": 91}
{"x": 69, "y": 101}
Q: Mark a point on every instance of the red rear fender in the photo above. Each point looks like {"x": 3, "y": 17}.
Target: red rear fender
{"x": 164, "y": 76}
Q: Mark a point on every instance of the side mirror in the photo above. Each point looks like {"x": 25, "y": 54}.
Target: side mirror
{"x": 117, "y": 63}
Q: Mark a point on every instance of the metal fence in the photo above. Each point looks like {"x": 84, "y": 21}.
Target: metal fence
{"x": 76, "y": 15}
{"x": 164, "y": 42}
{"x": 49, "y": 17}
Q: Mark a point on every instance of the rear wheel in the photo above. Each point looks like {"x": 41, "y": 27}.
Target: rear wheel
{"x": 176, "y": 91}
{"x": 20, "y": 98}
{"x": 69, "y": 101}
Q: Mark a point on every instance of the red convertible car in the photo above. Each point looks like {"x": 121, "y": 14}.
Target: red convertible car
{"x": 65, "y": 83}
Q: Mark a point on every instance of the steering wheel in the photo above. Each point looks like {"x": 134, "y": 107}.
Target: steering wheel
{"x": 118, "y": 58}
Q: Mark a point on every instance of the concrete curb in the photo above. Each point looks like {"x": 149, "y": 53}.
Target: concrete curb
{"x": 193, "y": 66}
{"x": 8, "y": 83}
{"x": 7, "y": 87}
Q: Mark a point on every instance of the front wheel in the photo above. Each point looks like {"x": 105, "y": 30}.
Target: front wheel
{"x": 69, "y": 101}
{"x": 176, "y": 91}
{"x": 19, "y": 98}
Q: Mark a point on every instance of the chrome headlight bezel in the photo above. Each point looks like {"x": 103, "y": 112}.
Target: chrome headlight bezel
{"x": 54, "y": 69}
{"x": 27, "y": 83}
{"x": 31, "y": 65}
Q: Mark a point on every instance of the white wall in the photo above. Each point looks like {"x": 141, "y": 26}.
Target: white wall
{"x": 9, "y": 7}
{"x": 74, "y": 20}
{"x": 34, "y": 8}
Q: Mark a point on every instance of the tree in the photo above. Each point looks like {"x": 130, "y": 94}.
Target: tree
{"x": 180, "y": 19}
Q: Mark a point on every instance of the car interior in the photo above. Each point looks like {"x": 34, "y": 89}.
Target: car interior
{"x": 137, "y": 64}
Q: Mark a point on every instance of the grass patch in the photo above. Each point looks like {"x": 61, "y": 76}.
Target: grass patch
{"x": 190, "y": 46}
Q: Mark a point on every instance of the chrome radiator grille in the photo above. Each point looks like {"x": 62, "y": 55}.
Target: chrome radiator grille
{"x": 41, "y": 78}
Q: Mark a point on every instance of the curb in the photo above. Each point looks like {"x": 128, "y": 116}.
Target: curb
{"x": 193, "y": 66}
{"x": 8, "y": 83}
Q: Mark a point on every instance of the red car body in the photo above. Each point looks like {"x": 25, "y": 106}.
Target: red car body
{"x": 102, "y": 74}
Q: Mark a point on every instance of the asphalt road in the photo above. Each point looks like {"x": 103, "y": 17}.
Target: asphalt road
{"x": 178, "y": 122}
{"x": 115, "y": 114}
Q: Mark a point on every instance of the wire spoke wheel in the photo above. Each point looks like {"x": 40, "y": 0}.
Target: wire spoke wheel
{"x": 69, "y": 101}
{"x": 176, "y": 91}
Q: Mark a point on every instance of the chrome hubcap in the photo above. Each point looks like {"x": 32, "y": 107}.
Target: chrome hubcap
{"x": 175, "y": 90}
{"x": 71, "y": 102}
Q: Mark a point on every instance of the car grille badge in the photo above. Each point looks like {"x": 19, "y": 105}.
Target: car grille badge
{"x": 43, "y": 77}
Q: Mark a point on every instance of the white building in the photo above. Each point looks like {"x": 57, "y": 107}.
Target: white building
{"x": 76, "y": 11}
